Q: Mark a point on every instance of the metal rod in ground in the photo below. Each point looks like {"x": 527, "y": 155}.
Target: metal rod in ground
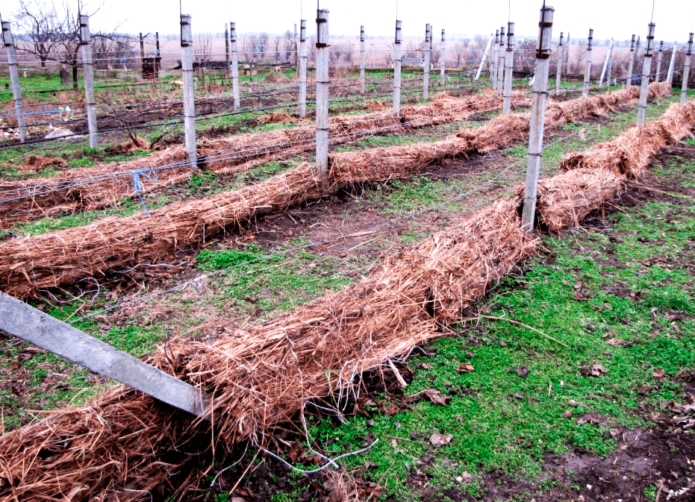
{"x": 188, "y": 89}
{"x": 604, "y": 71}
{"x": 235, "y": 66}
{"x": 303, "y": 58}
{"x": 540, "y": 99}
{"x": 443, "y": 59}
{"x": 27, "y": 323}
{"x": 672, "y": 65}
{"x": 14, "y": 79}
{"x": 426, "y": 62}
{"x": 494, "y": 60}
{"x": 500, "y": 63}
{"x": 659, "y": 60}
{"x": 508, "y": 70}
{"x": 560, "y": 59}
{"x": 686, "y": 70}
{"x": 226, "y": 47}
{"x": 589, "y": 61}
{"x": 482, "y": 58}
{"x": 630, "y": 63}
{"x": 397, "y": 66}
{"x": 322, "y": 93}
{"x": 363, "y": 61}
{"x": 88, "y": 66}
{"x": 646, "y": 73}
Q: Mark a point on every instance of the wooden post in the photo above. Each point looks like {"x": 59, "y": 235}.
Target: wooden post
{"x": 646, "y": 72}
{"x": 609, "y": 54}
{"x": 560, "y": 58}
{"x": 538, "y": 106}
{"x": 363, "y": 61}
{"x": 397, "y": 66}
{"x": 443, "y": 60}
{"x": 226, "y": 47}
{"x": 482, "y": 59}
{"x": 188, "y": 89}
{"x": 86, "y": 46}
{"x": 23, "y": 321}
{"x": 686, "y": 70}
{"x": 303, "y": 57}
{"x": 494, "y": 60}
{"x": 235, "y": 66}
{"x": 630, "y": 63}
{"x": 142, "y": 56}
{"x": 14, "y": 79}
{"x": 427, "y": 62}
{"x": 659, "y": 60}
{"x": 672, "y": 65}
{"x": 322, "y": 89}
{"x": 589, "y": 61}
{"x": 499, "y": 85}
{"x": 508, "y": 70}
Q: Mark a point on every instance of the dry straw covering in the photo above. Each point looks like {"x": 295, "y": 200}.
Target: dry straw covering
{"x": 116, "y": 448}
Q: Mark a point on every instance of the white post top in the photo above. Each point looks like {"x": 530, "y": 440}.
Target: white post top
{"x": 443, "y": 36}
{"x": 632, "y": 44}
{"x": 361, "y": 33}
{"x": 650, "y": 40}
{"x": 232, "y": 31}
{"x": 690, "y": 46}
{"x": 545, "y": 27}
{"x": 497, "y": 37}
{"x": 399, "y": 34}
{"x": 302, "y": 30}
{"x": 85, "y": 37}
{"x": 510, "y": 35}
{"x": 322, "y": 28}
{"x": 502, "y": 36}
{"x": 562, "y": 36}
{"x": 591, "y": 39}
{"x": 186, "y": 33}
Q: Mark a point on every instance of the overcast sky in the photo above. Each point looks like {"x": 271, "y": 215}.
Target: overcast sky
{"x": 609, "y": 18}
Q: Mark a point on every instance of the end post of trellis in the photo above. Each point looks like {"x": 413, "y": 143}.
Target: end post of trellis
{"x": 427, "y": 62}
{"x": 88, "y": 66}
{"x": 659, "y": 60}
{"x": 646, "y": 73}
{"x": 508, "y": 70}
{"x": 303, "y": 58}
{"x": 538, "y": 106}
{"x": 363, "y": 61}
{"x": 322, "y": 93}
{"x": 8, "y": 42}
{"x": 188, "y": 89}
{"x": 589, "y": 61}
{"x": 672, "y": 65}
{"x": 235, "y": 66}
{"x": 493, "y": 61}
{"x": 560, "y": 56}
{"x": 499, "y": 85}
{"x": 442, "y": 60}
{"x": 686, "y": 70}
{"x": 397, "y": 66}
{"x": 630, "y": 63}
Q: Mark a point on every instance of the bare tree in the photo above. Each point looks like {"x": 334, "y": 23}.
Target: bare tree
{"x": 39, "y": 24}
{"x": 290, "y": 45}
{"x": 277, "y": 42}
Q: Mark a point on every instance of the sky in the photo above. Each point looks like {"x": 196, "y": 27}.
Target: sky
{"x": 609, "y": 18}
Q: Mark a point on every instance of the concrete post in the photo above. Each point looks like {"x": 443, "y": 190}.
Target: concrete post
{"x": 88, "y": 65}
{"x": 630, "y": 63}
{"x": 443, "y": 60}
{"x": 363, "y": 61}
{"x": 589, "y": 61}
{"x": 235, "y": 66}
{"x": 322, "y": 89}
{"x": 303, "y": 58}
{"x": 482, "y": 59}
{"x": 567, "y": 53}
{"x": 672, "y": 65}
{"x": 158, "y": 53}
{"x": 494, "y": 60}
{"x": 427, "y": 62}
{"x": 14, "y": 78}
{"x": 296, "y": 48}
{"x": 637, "y": 44}
{"x": 610, "y": 69}
{"x": 508, "y": 70}
{"x": 659, "y": 60}
{"x": 646, "y": 72}
{"x": 188, "y": 89}
{"x": 540, "y": 99}
{"x": 397, "y": 65}
{"x": 226, "y": 47}
{"x": 499, "y": 85}
{"x": 142, "y": 56}
{"x": 609, "y": 55}
{"x": 560, "y": 58}
{"x": 686, "y": 70}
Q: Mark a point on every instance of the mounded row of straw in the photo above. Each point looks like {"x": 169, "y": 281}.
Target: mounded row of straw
{"x": 50, "y": 260}
{"x": 96, "y": 188}
{"x": 265, "y": 375}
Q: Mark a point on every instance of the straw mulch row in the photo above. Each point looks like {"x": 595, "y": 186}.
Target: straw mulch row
{"x": 50, "y": 260}
{"x": 96, "y": 188}
{"x": 264, "y": 376}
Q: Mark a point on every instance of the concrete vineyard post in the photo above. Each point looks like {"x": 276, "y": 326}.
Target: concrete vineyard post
{"x": 87, "y": 63}
{"x": 560, "y": 58}
{"x": 589, "y": 61}
{"x": 686, "y": 70}
{"x": 567, "y": 54}
{"x": 188, "y": 89}
{"x": 493, "y": 61}
{"x": 226, "y": 47}
{"x": 604, "y": 71}
{"x": 500, "y": 63}
{"x": 443, "y": 60}
{"x": 303, "y": 58}
{"x": 538, "y": 106}
{"x": 672, "y": 65}
{"x": 426, "y": 62}
{"x": 14, "y": 79}
{"x": 508, "y": 70}
{"x": 397, "y": 65}
{"x": 659, "y": 60}
{"x": 646, "y": 72}
{"x": 630, "y": 63}
{"x": 142, "y": 56}
{"x": 363, "y": 61}
{"x": 482, "y": 59}
{"x": 322, "y": 94}
{"x": 235, "y": 66}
